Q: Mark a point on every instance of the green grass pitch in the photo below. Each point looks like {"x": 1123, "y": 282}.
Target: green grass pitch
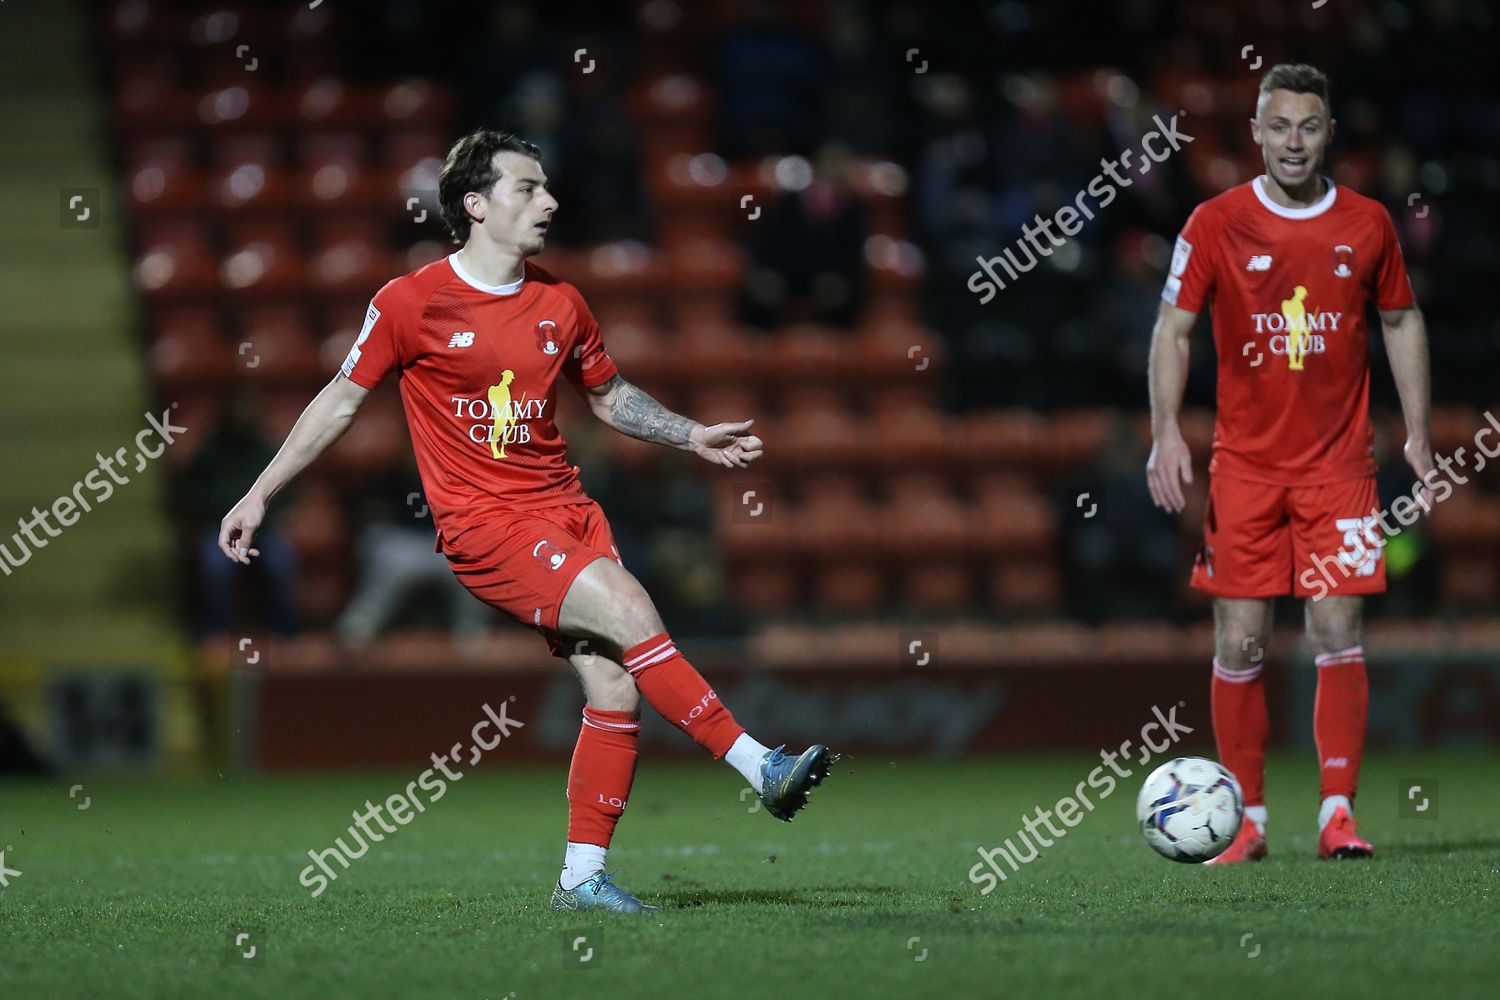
{"x": 143, "y": 893}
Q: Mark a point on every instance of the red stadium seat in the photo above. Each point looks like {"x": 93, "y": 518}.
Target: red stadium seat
{"x": 415, "y": 103}
{"x": 764, "y": 587}
{"x": 276, "y": 349}
{"x": 175, "y": 268}
{"x": 342, "y": 186}
{"x": 164, "y": 188}
{"x": 847, "y": 589}
{"x": 705, "y": 266}
{"x": 262, "y": 268}
{"x": 145, "y": 105}
{"x": 238, "y": 106}
{"x": 943, "y": 587}
{"x": 250, "y": 188}
{"x": 1004, "y": 438}
{"x": 329, "y": 103}
{"x": 1019, "y": 587}
{"x": 189, "y": 359}
{"x": 348, "y": 266}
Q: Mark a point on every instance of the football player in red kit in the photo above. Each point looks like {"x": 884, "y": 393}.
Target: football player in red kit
{"x": 1290, "y": 263}
{"x": 479, "y": 341}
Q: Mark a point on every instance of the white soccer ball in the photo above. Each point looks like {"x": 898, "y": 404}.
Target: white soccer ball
{"x": 1190, "y": 809}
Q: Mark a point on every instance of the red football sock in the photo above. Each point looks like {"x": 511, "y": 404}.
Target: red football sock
{"x": 670, "y": 684}
{"x": 1339, "y": 719}
{"x": 601, "y": 775}
{"x": 1241, "y": 728}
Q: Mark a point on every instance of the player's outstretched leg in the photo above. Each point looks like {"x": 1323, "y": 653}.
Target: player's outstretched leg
{"x": 607, "y": 601}
{"x": 1241, "y": 724}
{"x": 1339, "y": 713}
{"x": 599, "y": 783}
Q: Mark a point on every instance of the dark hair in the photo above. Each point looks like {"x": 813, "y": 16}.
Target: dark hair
{"x": 1299, "y": 78}
{"x": 470, "y": 166}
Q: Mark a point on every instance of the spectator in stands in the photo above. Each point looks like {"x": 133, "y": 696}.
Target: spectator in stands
{"x": 771, "y": 83}
{"x": 398, "y": 561}
{"x": 212, "y": 483}
{"x": 807, "y": 256}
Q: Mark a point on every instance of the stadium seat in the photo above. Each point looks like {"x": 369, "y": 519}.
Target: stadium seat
{"x": 329, "y": 103}
{"x": 261, "y": 268}
{"x": 185, "y": 359}
{"x": 415, "y": 103}
{"x": 250, "y": 188}
{"x": 175, "y": 268}
{"x": 164, "y": 188}
{"x": 276, "y": 350}
{"x": 939, "y": 587}
{"x": 759, "y": 588}
{"x": 842, "y": 588}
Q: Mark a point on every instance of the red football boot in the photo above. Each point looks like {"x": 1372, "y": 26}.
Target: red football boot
{"x": 1341, "y": 839}
{"x": 1248, "y": 845}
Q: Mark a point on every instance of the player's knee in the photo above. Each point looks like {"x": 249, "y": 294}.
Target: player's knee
{"x": 637, "y": 615}
{"x": 1239, "y": 652}
{"x": 612, "y": 690}
{"x": 1329, "y": 635}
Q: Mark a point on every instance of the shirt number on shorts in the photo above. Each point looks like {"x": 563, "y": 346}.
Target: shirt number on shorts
{"x": 1362, "y": 544}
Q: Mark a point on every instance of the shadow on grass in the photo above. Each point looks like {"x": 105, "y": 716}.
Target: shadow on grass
{"x": 819, "y": 897}
{"x": 1442, "y": 847}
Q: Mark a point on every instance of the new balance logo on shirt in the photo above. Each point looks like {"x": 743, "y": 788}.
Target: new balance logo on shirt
{"x": 464, "y": 338}
{"x": 1259, "y": 262}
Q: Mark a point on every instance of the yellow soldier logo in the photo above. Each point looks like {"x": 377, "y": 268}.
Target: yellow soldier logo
{"x": 501, "y": 409}
{"x": 1297, "y": 338}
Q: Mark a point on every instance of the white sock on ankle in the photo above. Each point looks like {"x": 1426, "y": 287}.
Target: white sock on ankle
{"x": 581, "y": 863}
{"x": 1257, "y": 815}
{"x": 745, "y": 757}
{"x": 1330, "y": 804}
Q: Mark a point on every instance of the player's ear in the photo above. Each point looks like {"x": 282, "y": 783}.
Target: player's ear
{"x": 474, "y": 205}
{"x": 1255, "y": 131}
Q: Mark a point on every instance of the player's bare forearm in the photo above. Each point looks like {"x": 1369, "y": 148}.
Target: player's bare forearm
{"x": 1169, "y": 465}
{"x": 633, "y": 412}
{"x": 325, "y": 418}
{"x": 1406, "y": 346}
{"x": 321, "y": 424}
{"x": 1168, "y": 365}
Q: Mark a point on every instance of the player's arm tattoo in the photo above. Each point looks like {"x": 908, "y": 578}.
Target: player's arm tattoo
{"x": 631, "y": 411}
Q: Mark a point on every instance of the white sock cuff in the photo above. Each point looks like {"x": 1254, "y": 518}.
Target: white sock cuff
{"x": 1350, "y": 655}
{"x": 1235, "y": 676}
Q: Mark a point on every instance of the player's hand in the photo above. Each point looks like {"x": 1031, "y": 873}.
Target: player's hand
{"x": 729, "y": 445}
{"x": 1419, "y": 456}
{"x": 238, "y": 529}
{"x": 1168, "y": 468}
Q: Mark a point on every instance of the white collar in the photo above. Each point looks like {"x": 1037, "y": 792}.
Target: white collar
{"x": 1310, "y": 212}
{"x": 507, "y": 289}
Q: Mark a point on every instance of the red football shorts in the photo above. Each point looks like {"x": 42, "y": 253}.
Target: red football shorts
{"x": 1261, "y": 540}
{"x": 523, "y": 562}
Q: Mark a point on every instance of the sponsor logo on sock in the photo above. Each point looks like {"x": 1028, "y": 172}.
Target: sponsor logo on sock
{"x": 612, "y": 801}
{"x": 1336, "y": 762}
{"x": 698, "y": 708}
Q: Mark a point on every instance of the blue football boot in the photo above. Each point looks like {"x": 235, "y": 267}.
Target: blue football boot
{"x": 598, "y": 893}
{"x": 786, "y": 781}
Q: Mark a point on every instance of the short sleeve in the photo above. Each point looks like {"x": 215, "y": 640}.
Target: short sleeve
{"x": 1191, "y": 277}
{"x": 590, "y": 365}
{"x": 375, "y": 353}
{"x": 1392, "y": 286}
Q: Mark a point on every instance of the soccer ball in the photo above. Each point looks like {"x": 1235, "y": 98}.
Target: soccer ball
{"x": 1190, "y": 809}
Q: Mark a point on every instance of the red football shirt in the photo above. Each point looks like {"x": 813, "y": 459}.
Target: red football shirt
{"x": 478, "y": 366}
{"x": 1290, "y": 289}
